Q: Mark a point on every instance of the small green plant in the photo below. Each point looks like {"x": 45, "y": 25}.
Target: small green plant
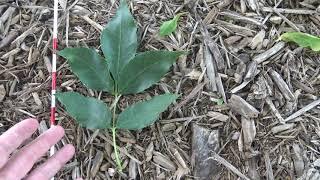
{"x": 170, "y": 26}
{"x": 302, "y": 39}
{"x": 220, "y": 102}
{"x": 122, "y": 71}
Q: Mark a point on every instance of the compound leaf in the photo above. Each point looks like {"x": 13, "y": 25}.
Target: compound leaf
{"x": 302, "y": 39}
{"x": 144, "y": 113}
{"x": 170, "y": 26}
{"x": 119, "y": 40}
{"x": 87, "y": 111}
{"x": 146, "y": 69}
{"x": 90, "y": 67}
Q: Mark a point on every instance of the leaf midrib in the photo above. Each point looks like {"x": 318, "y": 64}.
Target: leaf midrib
{"x": 119, "y": 48}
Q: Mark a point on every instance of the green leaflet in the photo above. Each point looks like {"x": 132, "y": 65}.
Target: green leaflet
{"x": 119, "y": 40}
{"x": 170, "y": 26}
{"x": 144, "y": 113}
{"x": 90, "y": 68}
{"x": 88, "y": 112}
{"x": 145, "y": 69}
{"x": 302, "y": 39}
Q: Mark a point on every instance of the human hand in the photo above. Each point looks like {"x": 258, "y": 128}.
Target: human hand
{"x": 18, "y": 165}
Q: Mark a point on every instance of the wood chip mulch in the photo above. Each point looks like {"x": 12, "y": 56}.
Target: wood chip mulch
{"x": 267, "y": 128}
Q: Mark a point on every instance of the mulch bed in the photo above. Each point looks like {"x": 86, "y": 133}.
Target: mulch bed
{"x": 267, "y": 127}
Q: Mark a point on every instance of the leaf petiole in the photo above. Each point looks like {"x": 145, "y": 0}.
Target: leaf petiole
{"x": 114, "y": 129}
{"x": 115, "y": 147}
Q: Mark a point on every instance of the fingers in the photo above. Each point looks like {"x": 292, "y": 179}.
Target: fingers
{"x": 12, "y": 139}
{"x": 21, "y": 163}
{"x": 53, "y": 165}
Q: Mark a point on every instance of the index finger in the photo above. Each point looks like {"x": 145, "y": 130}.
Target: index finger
{"x": 12, "y": 139}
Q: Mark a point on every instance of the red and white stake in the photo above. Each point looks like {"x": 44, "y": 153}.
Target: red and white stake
{"x": 54, "y": 67}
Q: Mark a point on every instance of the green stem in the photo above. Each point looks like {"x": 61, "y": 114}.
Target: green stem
{"x": 114, "y": 129}
{"x": 118, "y": 161}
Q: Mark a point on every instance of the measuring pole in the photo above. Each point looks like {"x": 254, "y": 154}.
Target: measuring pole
{"x": 54, "y": 68}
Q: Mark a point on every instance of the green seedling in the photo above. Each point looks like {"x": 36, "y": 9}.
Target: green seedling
{"x": 121, "y": 71}
{"x": 220, "y": 102}
{"x": 170, "y": 26}
{"x": 302, "y": 39}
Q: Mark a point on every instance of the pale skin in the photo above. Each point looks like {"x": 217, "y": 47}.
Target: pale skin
{"x": 15, "y": 164}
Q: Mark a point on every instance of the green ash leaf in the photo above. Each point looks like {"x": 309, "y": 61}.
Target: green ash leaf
{"x": 90, "y": 67}
{"x": 144, "y": 113}
{"x": 146, "y": 69}
{"x": 119, "y": 40}
{"x": 170, "y": 26}
{"x": 88, "y": 112}
{"x": 302, "y": 39}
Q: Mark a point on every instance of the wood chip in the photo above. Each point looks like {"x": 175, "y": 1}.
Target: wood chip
{"x": 253, "y": 4}
{"x": 149, "y": 152}
{"x": 242, "y": 107}
{"x": 194, "y": 74}
{"x": 289, "y": 11}
{"x": 94, "y": 24}
{"x": 8, "y": 39}
{"x": 211, "y": 73}
{"x": 2, "y": 92}
{"x": 282, "y": 127}
{"x": 258, "y": 39}
{"x": 202, "y": 148}
{"x": 229, "y": 166}
{"x": 213, "y": 47}
{"x": 236, "y": 29}
{"x": 239, "y": 17}
{"x": 218, "y": 116}
{"x": 252, "y": 70}
{"x": 163, "y": 161}
{"x": 269, "y": 171}
{"x": 270, "y": 52}
{"x": 97, "y": 161}
{"x": 282, "y": 85}
{"x": 298, "y": 159}
{"x": 36, "y": 98}
{"x": 253, "y": 168}
{"x": 275, "y": 19}
{"x": 190, "y": 96}
{"x": 303, "y": 110}
{"x": 132, "y": 169}
{"x": 274, "y": 110}
{"x": 248, "y": 131}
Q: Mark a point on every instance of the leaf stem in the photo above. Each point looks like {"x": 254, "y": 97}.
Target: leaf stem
{"x": 114, "y": 129}
{"x": 118, "y": 161}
